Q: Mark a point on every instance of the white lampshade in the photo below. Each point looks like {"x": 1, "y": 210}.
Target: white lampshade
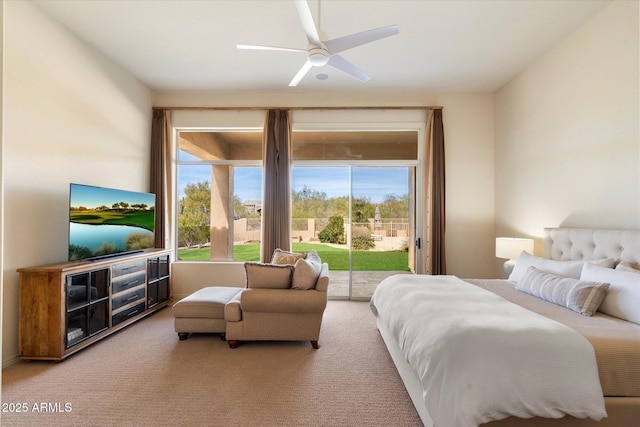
{"x": 510, "y": 247}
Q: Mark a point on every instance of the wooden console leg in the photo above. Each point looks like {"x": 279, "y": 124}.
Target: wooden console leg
{"x": 315, "y": 345}
{"x": 183, "y": 335}
{"x": 233, "y": 344}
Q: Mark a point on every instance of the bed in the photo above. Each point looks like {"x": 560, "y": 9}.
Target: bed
{"x": 520, "y": 360}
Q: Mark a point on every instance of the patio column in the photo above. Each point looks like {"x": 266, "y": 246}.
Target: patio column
{"x": 221, "y": 225}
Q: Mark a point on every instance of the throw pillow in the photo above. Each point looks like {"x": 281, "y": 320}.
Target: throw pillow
{"x": 623, "y": 297}
{"x": 313, "y": 256}
{"x": 583, "y": 297}
{"x": 627, "y": 266}
{"x": 281, "y": 257}
{"x": 305, "y": 275}
{"x": 268, "y": 276}
{"x": 561, "y": 268}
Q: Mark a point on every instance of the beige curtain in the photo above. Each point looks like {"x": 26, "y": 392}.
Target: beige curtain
{"x": 160, "y": 171}
{"x": 276, "y": 201}
{"x": 433, "y": 240}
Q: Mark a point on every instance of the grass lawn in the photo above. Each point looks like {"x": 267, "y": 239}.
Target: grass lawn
{"x": 134, "y": 218}
{"x": 337, "y": 258}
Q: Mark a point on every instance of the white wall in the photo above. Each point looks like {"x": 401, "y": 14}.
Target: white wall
{"x": 70, "y": 116}
{"x": 468, "y": 131}
{"x": 468, "y": 122}
{"x": 567, "y": 134}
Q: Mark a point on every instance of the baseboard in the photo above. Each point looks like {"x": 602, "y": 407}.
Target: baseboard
{"x": 11, "y": 361}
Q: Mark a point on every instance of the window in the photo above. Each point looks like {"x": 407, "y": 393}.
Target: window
{"x": 219, "y": 195}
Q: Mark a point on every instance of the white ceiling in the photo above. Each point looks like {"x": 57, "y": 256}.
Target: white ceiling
{"x": 443, "y": 46}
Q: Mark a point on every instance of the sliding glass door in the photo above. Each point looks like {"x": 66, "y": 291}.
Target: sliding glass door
{"x": 359, "y": 219}
{"x": 381, "y": 226}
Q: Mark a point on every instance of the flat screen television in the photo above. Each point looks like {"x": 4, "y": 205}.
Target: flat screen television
{"x": 107, "y": 222}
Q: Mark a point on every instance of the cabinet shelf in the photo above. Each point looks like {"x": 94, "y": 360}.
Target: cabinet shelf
{"x": 66, "y": 307}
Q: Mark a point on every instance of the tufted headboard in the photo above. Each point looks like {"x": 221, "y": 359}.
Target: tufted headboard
{"x": 588, "y": 243}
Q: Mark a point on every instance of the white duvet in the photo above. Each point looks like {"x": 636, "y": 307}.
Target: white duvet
{"x": 480, "y": 357}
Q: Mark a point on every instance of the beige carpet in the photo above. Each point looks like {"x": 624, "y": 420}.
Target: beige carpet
{"x": 144, "y": 376}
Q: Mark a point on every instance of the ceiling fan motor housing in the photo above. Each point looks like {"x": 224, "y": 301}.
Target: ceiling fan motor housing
{"x": 318, "y": 56}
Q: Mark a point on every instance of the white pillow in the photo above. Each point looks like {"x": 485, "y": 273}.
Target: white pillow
{"x": 312, "y": 256}
{"x": 560, "y": 268}
{"x": 626, "y": 266}
{"x": 623, "y": 297}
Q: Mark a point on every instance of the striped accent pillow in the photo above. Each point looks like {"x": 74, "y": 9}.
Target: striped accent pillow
{"x": 578, "y": 295}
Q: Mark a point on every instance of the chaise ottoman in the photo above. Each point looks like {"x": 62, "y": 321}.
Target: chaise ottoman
{"x": 203, "y": 311}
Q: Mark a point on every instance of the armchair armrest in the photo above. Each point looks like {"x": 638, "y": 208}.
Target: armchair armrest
{"x": 232, "y": 311}
{"x": 322, "y": 284}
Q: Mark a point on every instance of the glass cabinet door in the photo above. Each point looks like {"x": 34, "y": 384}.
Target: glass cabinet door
{"x": 87, "y": 305}
{"x": 157, "y": 280}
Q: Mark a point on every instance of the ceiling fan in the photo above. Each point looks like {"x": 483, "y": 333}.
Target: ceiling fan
{"x": 325, "y": 52}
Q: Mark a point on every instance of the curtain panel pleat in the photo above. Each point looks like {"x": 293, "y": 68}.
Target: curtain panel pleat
{"x": 276, "y": 203}
{"x": 433, "y": 248}
{"x": 160, "y": 173}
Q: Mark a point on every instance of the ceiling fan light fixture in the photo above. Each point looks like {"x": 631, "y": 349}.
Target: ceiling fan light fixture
{"x": 318, "y": 56}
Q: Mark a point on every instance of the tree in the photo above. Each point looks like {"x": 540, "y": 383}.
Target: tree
{"x": 395, "y": 206}
{"x": 238, "y": 207}
{"x": 194, "y": 214}
{"x": 339, "y": 206}
{"x": 362, "y": 209}
{"x": 309, "y": 203}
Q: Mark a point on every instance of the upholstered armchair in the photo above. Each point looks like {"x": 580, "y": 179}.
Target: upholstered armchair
{"x": 281, "y": 302}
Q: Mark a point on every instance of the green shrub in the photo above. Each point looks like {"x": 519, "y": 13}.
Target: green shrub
{"x": 363, "y": 243}
{"x": 360, "y": 231}
{"x": 333, "y": 232}
{"x": 361, "y": 238}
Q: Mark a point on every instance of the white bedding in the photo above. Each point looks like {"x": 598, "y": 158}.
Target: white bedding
{"x": 481, "y": 358}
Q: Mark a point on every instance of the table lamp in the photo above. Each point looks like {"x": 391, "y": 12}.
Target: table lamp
{"x": 510, "y": 248}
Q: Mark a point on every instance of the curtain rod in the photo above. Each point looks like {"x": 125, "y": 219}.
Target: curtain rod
{"x": 304, "y": 108}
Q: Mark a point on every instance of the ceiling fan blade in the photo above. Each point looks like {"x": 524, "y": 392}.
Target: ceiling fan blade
{"x": 347, "y": 42}
{"x": 338, "y": 62}
{"x": 303, "y": 71}
{"x": 255, "y": 47}
{"x": 307, "y": 22}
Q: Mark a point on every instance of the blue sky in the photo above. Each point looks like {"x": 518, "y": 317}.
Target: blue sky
{"x": 92, "y": 197}
{"x": 374, "y": 183}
